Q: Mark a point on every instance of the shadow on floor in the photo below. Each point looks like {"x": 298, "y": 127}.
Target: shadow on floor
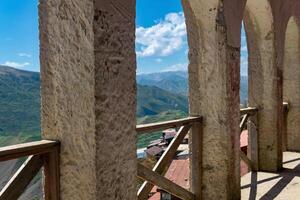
{"x": 285, "y": 176}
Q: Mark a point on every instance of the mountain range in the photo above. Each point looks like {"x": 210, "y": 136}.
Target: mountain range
{"x": 160, "y": 96}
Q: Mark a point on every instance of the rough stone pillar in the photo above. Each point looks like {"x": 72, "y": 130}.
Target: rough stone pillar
{"x": 115, "y": 92}
{"x": 291, "y": 83}
{"x": 264, "y": 82}
{"x": 88, "y": 95}
{"x": 214, "y": 73}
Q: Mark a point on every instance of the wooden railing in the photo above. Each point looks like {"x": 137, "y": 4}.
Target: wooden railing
{"x": 246, "y": 113}
{"x": 252, "y": 158}
{"x": 155, "y": 176}
{"x": 40, "y": 154}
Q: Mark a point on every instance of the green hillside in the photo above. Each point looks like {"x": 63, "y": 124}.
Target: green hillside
{"x": 152, "y": 100}
{"x": 20, "y": 105}
{"x": 160, "y": 97}
{"x": 175, "y": 82}
{"x": 19, "y": 102}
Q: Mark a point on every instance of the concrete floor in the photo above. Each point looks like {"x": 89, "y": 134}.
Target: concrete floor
{"x": 284, "y": 185}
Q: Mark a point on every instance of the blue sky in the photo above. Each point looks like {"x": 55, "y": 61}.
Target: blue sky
{"x": 161, "y": 43}
{"x": 19, "y": 45}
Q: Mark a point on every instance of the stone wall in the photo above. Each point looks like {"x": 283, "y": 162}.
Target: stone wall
{"x": 88, "y": 95}
{"x": 263, "y": 81}
{"x": 67, "y": 79}
{"x": 115, "y": 92}
{"x": 214, "y": 73}
{"x": 291, "y": 83}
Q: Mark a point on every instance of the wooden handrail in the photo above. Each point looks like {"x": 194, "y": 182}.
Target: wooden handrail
{"x": 249, "y": 110}
{"x": 27, "y": 149}
{"x": 254, "y": 110}
{"x": 286, "y": 106}
{"x": 144, "y": 128}
{"x": 41, "y": 153}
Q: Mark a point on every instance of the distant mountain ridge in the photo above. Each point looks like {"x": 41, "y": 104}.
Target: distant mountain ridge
{"x": 177, "y": 82}
{"x": 20, "y": 99}
{"x": 158, "y": 95}
{"x": 173, "y": 81}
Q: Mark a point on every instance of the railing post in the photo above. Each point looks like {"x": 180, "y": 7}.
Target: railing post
{"x": 51, "y": 174}
{"x": 195, "y": 145}
{"x": 252, "y": 148}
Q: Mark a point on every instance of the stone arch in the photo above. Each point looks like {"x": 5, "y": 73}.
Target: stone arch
{"x": 89, "y": 89}
{"x": 213, "y": 29}
{"x": 264, "y": 82}
{"x": 291, "y": 83}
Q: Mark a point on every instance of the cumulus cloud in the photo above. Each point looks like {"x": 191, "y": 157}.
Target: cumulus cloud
{"x": 16, "y": 64}
{"x": 176, "y": 67}
{"x": 163, "y": 38}
{"x": 24, "y": 55}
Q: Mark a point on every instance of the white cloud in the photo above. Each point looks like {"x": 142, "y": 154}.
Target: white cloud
{"x": 24, "y": 55}
{"x": 162, "y": 39}
{"x": 16, "y": 64}
{"x": 176, "y": 67}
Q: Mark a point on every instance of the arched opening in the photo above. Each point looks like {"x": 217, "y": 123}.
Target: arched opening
{"x": 244, "y": 69}
{"x": 162, "y": 78}
{"x": 162, "y": 85}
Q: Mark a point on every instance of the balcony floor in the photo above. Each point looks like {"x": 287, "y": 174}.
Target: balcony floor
{"x": 284, "y": 185}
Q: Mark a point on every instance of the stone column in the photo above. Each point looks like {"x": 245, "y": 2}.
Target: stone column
{"x": 214, "y": 75}
{"x": 115, "y": 92}
{"x": 264, "y": 82}
{"x": 291, "y": 83}
{"x": 88, "y": 95}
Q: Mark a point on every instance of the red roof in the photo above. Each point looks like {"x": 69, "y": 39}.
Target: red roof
{"x": 178, "y": 171}
{"x": 154, "y": 150}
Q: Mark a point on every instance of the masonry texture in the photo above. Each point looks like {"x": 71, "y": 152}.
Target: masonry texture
{"x": 88, "y": 67}
{"x": 263, "y": 85}
{"x": 214, "y": 40}
{"x": 88, "y": 95}
{"x": 67, "y": 75}
{"x": 291, "y": 83}
{"x": 115, "y": 93}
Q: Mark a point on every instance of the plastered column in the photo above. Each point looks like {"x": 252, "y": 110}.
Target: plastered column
{"x": 291, "y": 83}
{"x": 214, "y": 73}
{"x": 264, "y": 82}
{"x": 89, "y": 95}
{"x": 67, "y": 92}
{"x": 115, "y": 92}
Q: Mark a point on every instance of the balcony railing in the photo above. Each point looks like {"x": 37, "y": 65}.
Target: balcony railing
{"x": 155, "y": 176}
{"x": 40, "y": 154}
{"x": 45, "y": 154}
